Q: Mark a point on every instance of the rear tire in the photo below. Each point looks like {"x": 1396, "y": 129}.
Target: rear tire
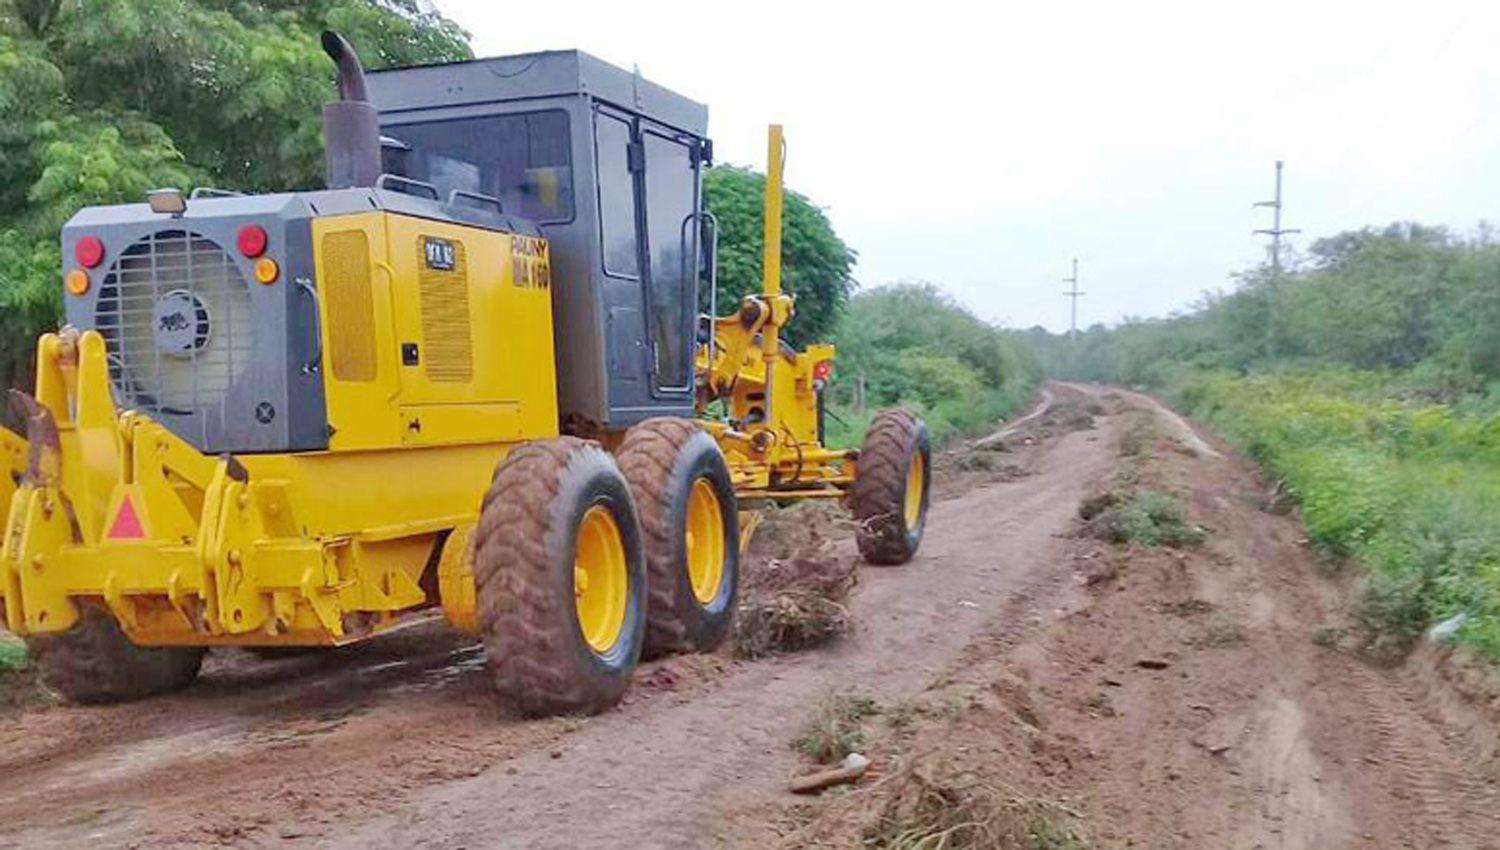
{"x": 895, "y": 459}
{"x": 562, "y": 630}
{"x": 681, "y": 484}
{"x": 94, "y": 662}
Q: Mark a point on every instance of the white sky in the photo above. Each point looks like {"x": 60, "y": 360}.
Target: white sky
{"x": 981, "y": 146}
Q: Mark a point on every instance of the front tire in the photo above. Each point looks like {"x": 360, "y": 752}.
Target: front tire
{"x": 690, "y": 524}
{"x": 891, "y": 488}
{"x": 95, "y": 662}
{"x": 560, "y": 579}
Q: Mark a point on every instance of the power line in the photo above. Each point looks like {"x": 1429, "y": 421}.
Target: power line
{"x": 1074, "y": 294}
{"x": 1276, "y": 231}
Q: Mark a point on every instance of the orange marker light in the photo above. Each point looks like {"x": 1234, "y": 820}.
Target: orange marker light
{"x": 77, "y": 282}
{"x": 266, "y": 270}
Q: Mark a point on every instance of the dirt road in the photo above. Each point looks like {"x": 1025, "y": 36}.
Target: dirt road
{"x": 1173, "y": 698}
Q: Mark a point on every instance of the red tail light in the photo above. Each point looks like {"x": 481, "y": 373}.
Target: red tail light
{"x": 822, "y": 369}
{"x": 252, "y": 240}
{"x": 89, "y": 252}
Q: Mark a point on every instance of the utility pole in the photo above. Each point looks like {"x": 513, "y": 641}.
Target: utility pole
{"x": 1276, "y": 231}
{"x": 1074, "y": 294}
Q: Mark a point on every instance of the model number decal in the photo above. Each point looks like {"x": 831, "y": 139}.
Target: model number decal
{"x": 439, "y": 253}
{"x": 528, "y": 263}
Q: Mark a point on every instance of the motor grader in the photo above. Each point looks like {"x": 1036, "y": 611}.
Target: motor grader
{"x": 470, "y": 376}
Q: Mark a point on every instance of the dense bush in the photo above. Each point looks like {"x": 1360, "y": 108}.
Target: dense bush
{"x": 913, "y": 345}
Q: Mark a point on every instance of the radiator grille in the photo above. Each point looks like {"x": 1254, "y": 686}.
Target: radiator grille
{"x": 178, "y": 324}
{"x": 447, "y": 344}
{"x": 351, "y": 305}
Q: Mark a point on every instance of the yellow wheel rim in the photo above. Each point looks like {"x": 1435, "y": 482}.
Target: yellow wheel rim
{"x": 600, "y": 580}
{"x": 705, "y": 541}
{"x": 914, "y": 477}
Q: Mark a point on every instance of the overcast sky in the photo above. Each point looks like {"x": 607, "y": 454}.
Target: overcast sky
{"x": 981, "y": 146}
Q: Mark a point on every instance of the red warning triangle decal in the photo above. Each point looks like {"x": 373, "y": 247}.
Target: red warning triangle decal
{"x": 127, "y": 524}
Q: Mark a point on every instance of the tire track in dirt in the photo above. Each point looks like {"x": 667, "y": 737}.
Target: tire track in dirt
{"x": 1442, "y": 803}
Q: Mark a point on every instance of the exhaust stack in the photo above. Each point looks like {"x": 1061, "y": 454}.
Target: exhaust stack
{"x": 351, "y": 126}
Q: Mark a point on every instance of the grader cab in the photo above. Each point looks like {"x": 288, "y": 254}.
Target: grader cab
{"x": 466, "y": 376}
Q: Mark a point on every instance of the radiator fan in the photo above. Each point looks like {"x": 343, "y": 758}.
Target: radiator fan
{"x": 179, "y": 327}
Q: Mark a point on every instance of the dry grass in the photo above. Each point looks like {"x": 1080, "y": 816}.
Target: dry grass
{"x": 836, "y": 728}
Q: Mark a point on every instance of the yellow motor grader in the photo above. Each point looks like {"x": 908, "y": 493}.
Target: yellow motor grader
{"x": 469, "y": 375}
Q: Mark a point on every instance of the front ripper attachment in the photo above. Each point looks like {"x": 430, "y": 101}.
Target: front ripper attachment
{"x": 116, "y": 514}
{"x": 111, "y": 511}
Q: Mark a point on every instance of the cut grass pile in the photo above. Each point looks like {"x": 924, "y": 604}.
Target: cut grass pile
{"x": 1148, "y": 517}
{"x": 795, "y": 584}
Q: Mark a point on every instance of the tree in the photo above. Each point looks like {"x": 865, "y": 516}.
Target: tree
{"x": 101, "y": 100}
{"x": 815, "y": 262}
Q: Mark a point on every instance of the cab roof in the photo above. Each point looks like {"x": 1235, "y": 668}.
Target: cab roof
{"x": 523, "y": 76}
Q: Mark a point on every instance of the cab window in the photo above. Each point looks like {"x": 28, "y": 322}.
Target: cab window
{"x": 523, "y": 158}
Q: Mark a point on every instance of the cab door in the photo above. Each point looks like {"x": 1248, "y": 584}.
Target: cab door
{"x": 671, "y": 203}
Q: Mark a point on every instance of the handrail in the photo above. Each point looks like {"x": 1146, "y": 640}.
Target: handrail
{"x": 454, "y": 195}
{"x": 211, "y": 192}
{"x": 392, "y": 181}
{"x": 713, "y": 273}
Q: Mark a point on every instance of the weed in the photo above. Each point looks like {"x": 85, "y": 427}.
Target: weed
{"x": 1189, "y": 607}
{"x": 1327, "y": 637}
{"x": 18, "y": 679}
{"x": 1222, "y": 632}
{"x": 1138, "y": 435}
{"x": 836, "y": 728}
{"x": 982, "y": 460}
{"x": 903, "y": 714}
{"x": 1096, "y": 504}
{"x": 12, "y": 654}
{"x": 1147, "y": 517}
{"x": 1100, "y": 705}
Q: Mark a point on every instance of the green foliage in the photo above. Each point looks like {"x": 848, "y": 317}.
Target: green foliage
{"x": 915, "y": 346}
{"x": 12, "y": 654}
{"x": 815, "y": 262}
{"x": 101, "y": 100}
